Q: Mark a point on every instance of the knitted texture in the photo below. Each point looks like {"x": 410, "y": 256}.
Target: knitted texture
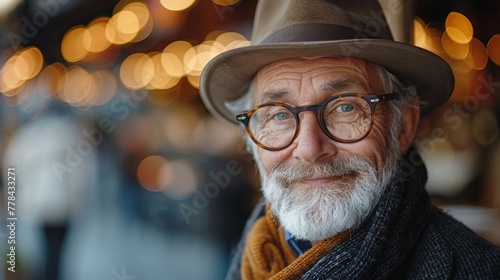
{"x": 266, "y": 252}
{"x": 403, "y": 238}
{"x": 268, "y": 256}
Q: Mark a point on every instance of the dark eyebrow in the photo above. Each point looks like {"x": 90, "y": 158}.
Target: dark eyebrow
{"x": 339, "y": 84}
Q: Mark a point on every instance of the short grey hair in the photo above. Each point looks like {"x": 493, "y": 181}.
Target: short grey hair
{"x": 243, "y": 103}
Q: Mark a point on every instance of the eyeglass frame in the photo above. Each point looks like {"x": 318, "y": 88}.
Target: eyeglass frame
{"x": 372, "y": 100}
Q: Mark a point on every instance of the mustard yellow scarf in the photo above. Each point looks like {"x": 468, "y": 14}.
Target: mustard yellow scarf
{"x": 268, "y": 256}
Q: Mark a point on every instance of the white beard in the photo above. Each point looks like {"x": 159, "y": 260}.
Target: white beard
{"x": 313, "y": 213}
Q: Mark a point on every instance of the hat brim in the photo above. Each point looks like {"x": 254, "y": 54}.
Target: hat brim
{"x": 227, "y": 76}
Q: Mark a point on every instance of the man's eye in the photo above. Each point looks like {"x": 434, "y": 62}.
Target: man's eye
{"x": 345, "y": 108}
{"x": 280, "y": 116}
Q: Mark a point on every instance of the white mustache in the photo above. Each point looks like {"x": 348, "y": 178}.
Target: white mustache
{"x": 287, "y": 175}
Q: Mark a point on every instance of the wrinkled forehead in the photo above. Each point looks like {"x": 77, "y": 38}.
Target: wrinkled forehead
{"x": 369, "y": 76}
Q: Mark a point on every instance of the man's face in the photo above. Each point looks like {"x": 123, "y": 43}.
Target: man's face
{"x": 318, "y": 187}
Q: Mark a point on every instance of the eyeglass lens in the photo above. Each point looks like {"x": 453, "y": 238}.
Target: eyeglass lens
{"x": 346, "y": 118}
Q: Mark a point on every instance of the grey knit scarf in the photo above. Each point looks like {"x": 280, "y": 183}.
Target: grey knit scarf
{"x": 403, "y": 238}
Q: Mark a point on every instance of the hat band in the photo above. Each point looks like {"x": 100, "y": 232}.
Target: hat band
{"x": 314, "y": 32}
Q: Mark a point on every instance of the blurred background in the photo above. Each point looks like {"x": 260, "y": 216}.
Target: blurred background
{"x": 121, "y": 173}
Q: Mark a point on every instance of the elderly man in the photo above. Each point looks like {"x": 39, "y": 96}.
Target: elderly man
{"x": 331, "y": 104}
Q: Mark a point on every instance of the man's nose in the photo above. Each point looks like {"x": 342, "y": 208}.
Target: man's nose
{"x": 312, "y": 144}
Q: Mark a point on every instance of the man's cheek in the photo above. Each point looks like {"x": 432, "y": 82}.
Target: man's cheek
{"x": 268, "y": 159}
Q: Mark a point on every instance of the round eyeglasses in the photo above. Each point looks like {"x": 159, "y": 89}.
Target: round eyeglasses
{"x": 345, "y": 118}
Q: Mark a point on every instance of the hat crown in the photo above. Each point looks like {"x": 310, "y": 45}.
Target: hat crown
{"x": 288, "y": 20}
{"x": 286, "y": 29}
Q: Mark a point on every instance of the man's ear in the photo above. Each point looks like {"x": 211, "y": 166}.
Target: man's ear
{"x": 410, "y": 119}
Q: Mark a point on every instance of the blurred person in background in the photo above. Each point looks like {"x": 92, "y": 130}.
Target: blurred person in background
{"x": 331, "y": 104}
{"x": 56, "y": 169}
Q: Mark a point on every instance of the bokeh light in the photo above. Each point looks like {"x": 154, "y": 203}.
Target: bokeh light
{"x": 172, "y": 58}
{"x": 419, "y": 36}
{"x": 197, "y": 57}
{"x": 456, "y": 44}
{"x": 485, "y": 127}
{"x": 32, "y": 62}
{"x": 122, "y": 28}
{"x": 126, "y": 22}
{"x": 77, "y": 86}
{"x": 137, "y": 70}
{"x": 75, "y": 44}
{"x": 144, "y": 19}
{"x": 10, "y": 79}
{"x": 477, "y": 59}
{"x": 194, "y": 81}
{"x": 97, "y": 30}
{"x": 161, "y": 79}
{"x": 459, "y": 28}
{"x": 105, "y": 87}
{"x": 139, "y": 9}
{"x": 432, "y": 42}
{"x": 153, "y": 173}
{"x": 183, "y": 128}
{"x": 20, "y": 67}
{"x": 182, "y": 180}
{"x": 177, "y": 5}
{"x": 225, "y": 2}
{"x": 493, "y": 47}
{"x": 50, "y": 80}
{"x": 452, "y": 48}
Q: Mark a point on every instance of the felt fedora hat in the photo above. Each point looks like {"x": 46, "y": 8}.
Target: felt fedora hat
{"x": 312, "y": 28}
